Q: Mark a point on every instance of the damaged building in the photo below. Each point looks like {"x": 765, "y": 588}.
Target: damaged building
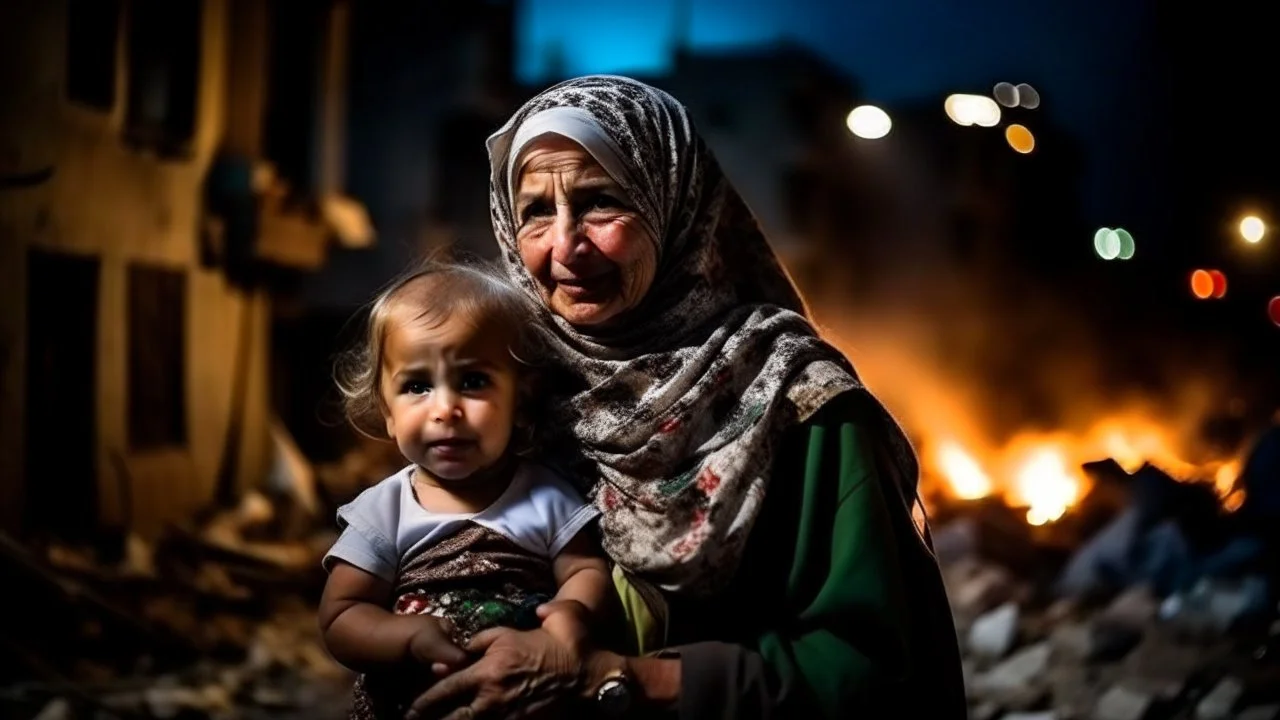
{"x": 159, "y": 189}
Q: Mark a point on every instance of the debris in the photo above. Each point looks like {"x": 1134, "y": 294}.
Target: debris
{"x": 207, "y": 622}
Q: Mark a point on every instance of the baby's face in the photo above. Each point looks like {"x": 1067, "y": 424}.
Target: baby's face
{"x": 450, "y": 392}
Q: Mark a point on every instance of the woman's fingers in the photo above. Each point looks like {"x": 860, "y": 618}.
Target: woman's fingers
{"x": 452, "y": 686}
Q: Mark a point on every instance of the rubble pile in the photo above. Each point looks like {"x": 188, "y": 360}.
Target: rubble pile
{"x": 1147, "y": 601}
{"x": 207, "y": 622}
{"x": 1152, "y": 615}
{"x": 215, "y": 618}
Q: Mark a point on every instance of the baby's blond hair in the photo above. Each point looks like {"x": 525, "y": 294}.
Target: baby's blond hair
{"x": 436, "y": 291}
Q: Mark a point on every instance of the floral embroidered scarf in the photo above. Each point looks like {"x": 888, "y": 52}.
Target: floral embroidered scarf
{"x": 671, "y": 419}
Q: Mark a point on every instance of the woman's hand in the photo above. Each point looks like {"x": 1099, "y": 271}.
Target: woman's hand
{"x": 520, "y": 675}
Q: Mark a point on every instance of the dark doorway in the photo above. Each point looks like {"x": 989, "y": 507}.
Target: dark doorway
{"x": 61, "y": 406}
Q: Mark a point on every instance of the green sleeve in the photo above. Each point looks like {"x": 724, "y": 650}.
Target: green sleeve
{"x": 860, "y": 578}
{"x": 844, "y": 585}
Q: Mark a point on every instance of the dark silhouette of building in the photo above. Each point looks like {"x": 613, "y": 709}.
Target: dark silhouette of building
{"x": 428, "y": 83}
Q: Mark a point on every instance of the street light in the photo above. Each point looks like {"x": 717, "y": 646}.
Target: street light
{"x": 869, "y": 122}
{"x": 967, "y": 110}
{"x": 1252, "y": 228}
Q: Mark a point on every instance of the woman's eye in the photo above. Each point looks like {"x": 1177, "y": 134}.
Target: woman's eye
{"x": 537, "y": 208}
{"x": 417, "y": 387}
{"x": 605, "y": 201}
{"x": 474, "y": 381}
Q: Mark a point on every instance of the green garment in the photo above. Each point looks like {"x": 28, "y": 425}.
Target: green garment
{"x": 838, "y": 607}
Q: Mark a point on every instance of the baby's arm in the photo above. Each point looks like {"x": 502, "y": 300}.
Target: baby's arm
{"x": 585, "y": 589}
{"x": 363, "y": 635}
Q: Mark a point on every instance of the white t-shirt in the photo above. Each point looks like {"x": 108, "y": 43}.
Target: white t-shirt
{"x": 385, "y": 526}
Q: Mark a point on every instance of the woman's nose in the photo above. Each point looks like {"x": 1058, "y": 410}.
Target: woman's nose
{"x": 568, "y": 242}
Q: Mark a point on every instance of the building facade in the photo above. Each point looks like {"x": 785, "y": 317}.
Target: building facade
{"x": 153, "y": 187}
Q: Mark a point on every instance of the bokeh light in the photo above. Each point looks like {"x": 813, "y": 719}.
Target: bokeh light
{"x": 1117, "y": 244}
{"x": 1202, "y": 284}
{"x": 1020, "y": 138}
{"x": 869, "y": 122}
{"x": 1127, "y": 246}
{"x": 1005, "y": 94}
{"x": 1252, "y": 229}
{"x": 1273, "y": 310}
{"x": 1106, "y": 243}
{"x": 972, "y": 110}
{"x": 1219, "y": 284}
{"x": 1028, "y": 97}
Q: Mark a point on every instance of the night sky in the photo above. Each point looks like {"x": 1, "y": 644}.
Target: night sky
{"x": 1164, "y": 101}
{"x": 1089, "y": 59}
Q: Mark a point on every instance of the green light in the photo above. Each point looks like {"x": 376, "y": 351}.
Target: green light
{"x": 1127, "y": 246}
{"x": 1106, "y": 242}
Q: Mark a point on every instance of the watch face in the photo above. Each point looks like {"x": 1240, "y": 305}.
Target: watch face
{"x": 614, "y": 697}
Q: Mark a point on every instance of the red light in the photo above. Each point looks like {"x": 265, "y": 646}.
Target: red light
{"x": 1273, "y": 309}
{"x": 1219, "y": 284}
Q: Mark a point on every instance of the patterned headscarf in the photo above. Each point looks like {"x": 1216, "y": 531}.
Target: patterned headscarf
{"x": 675, "y": 413}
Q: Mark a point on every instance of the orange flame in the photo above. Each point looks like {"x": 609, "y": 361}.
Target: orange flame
{"x": 1046, "y": 485}
{"x": 1042, "y": 473}
{"x": 967, "y": 478}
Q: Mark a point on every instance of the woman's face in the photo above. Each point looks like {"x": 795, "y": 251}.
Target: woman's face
{"x": 578, "y": 235}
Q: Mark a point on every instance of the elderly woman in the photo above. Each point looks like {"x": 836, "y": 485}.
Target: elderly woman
{"x": 756, "y": 499}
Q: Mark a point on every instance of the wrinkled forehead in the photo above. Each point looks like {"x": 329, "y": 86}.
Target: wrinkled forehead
{"x": 551, "y": 160}
{"x": 570, "y": 123}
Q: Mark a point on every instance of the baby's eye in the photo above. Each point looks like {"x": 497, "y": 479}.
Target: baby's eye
{"x": 416, "y": 387}
{"x": 473, "y": 381}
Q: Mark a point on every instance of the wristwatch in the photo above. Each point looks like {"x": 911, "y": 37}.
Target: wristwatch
{"x": 614, "y": 695}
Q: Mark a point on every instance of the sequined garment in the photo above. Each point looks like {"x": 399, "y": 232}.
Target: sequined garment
{"x": 477, "y": 579}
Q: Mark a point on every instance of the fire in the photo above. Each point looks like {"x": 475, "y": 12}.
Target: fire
{"x": 967, "y": 479}
{"x": 1040, "y": 477}
{"x": 1133, "y": 442}
{"x": 1046, "y": 486}
{"x": 1044, "y": 473}
{"x": 968, "y": 451}
{"x": 1224, "y": 482}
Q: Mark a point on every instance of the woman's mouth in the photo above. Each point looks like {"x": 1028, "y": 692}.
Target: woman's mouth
{"x": 580, "y": 288}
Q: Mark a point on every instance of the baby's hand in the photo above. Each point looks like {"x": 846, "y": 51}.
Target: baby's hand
{"x": 568, "y": 621}
{"x": 431, "y": 645}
